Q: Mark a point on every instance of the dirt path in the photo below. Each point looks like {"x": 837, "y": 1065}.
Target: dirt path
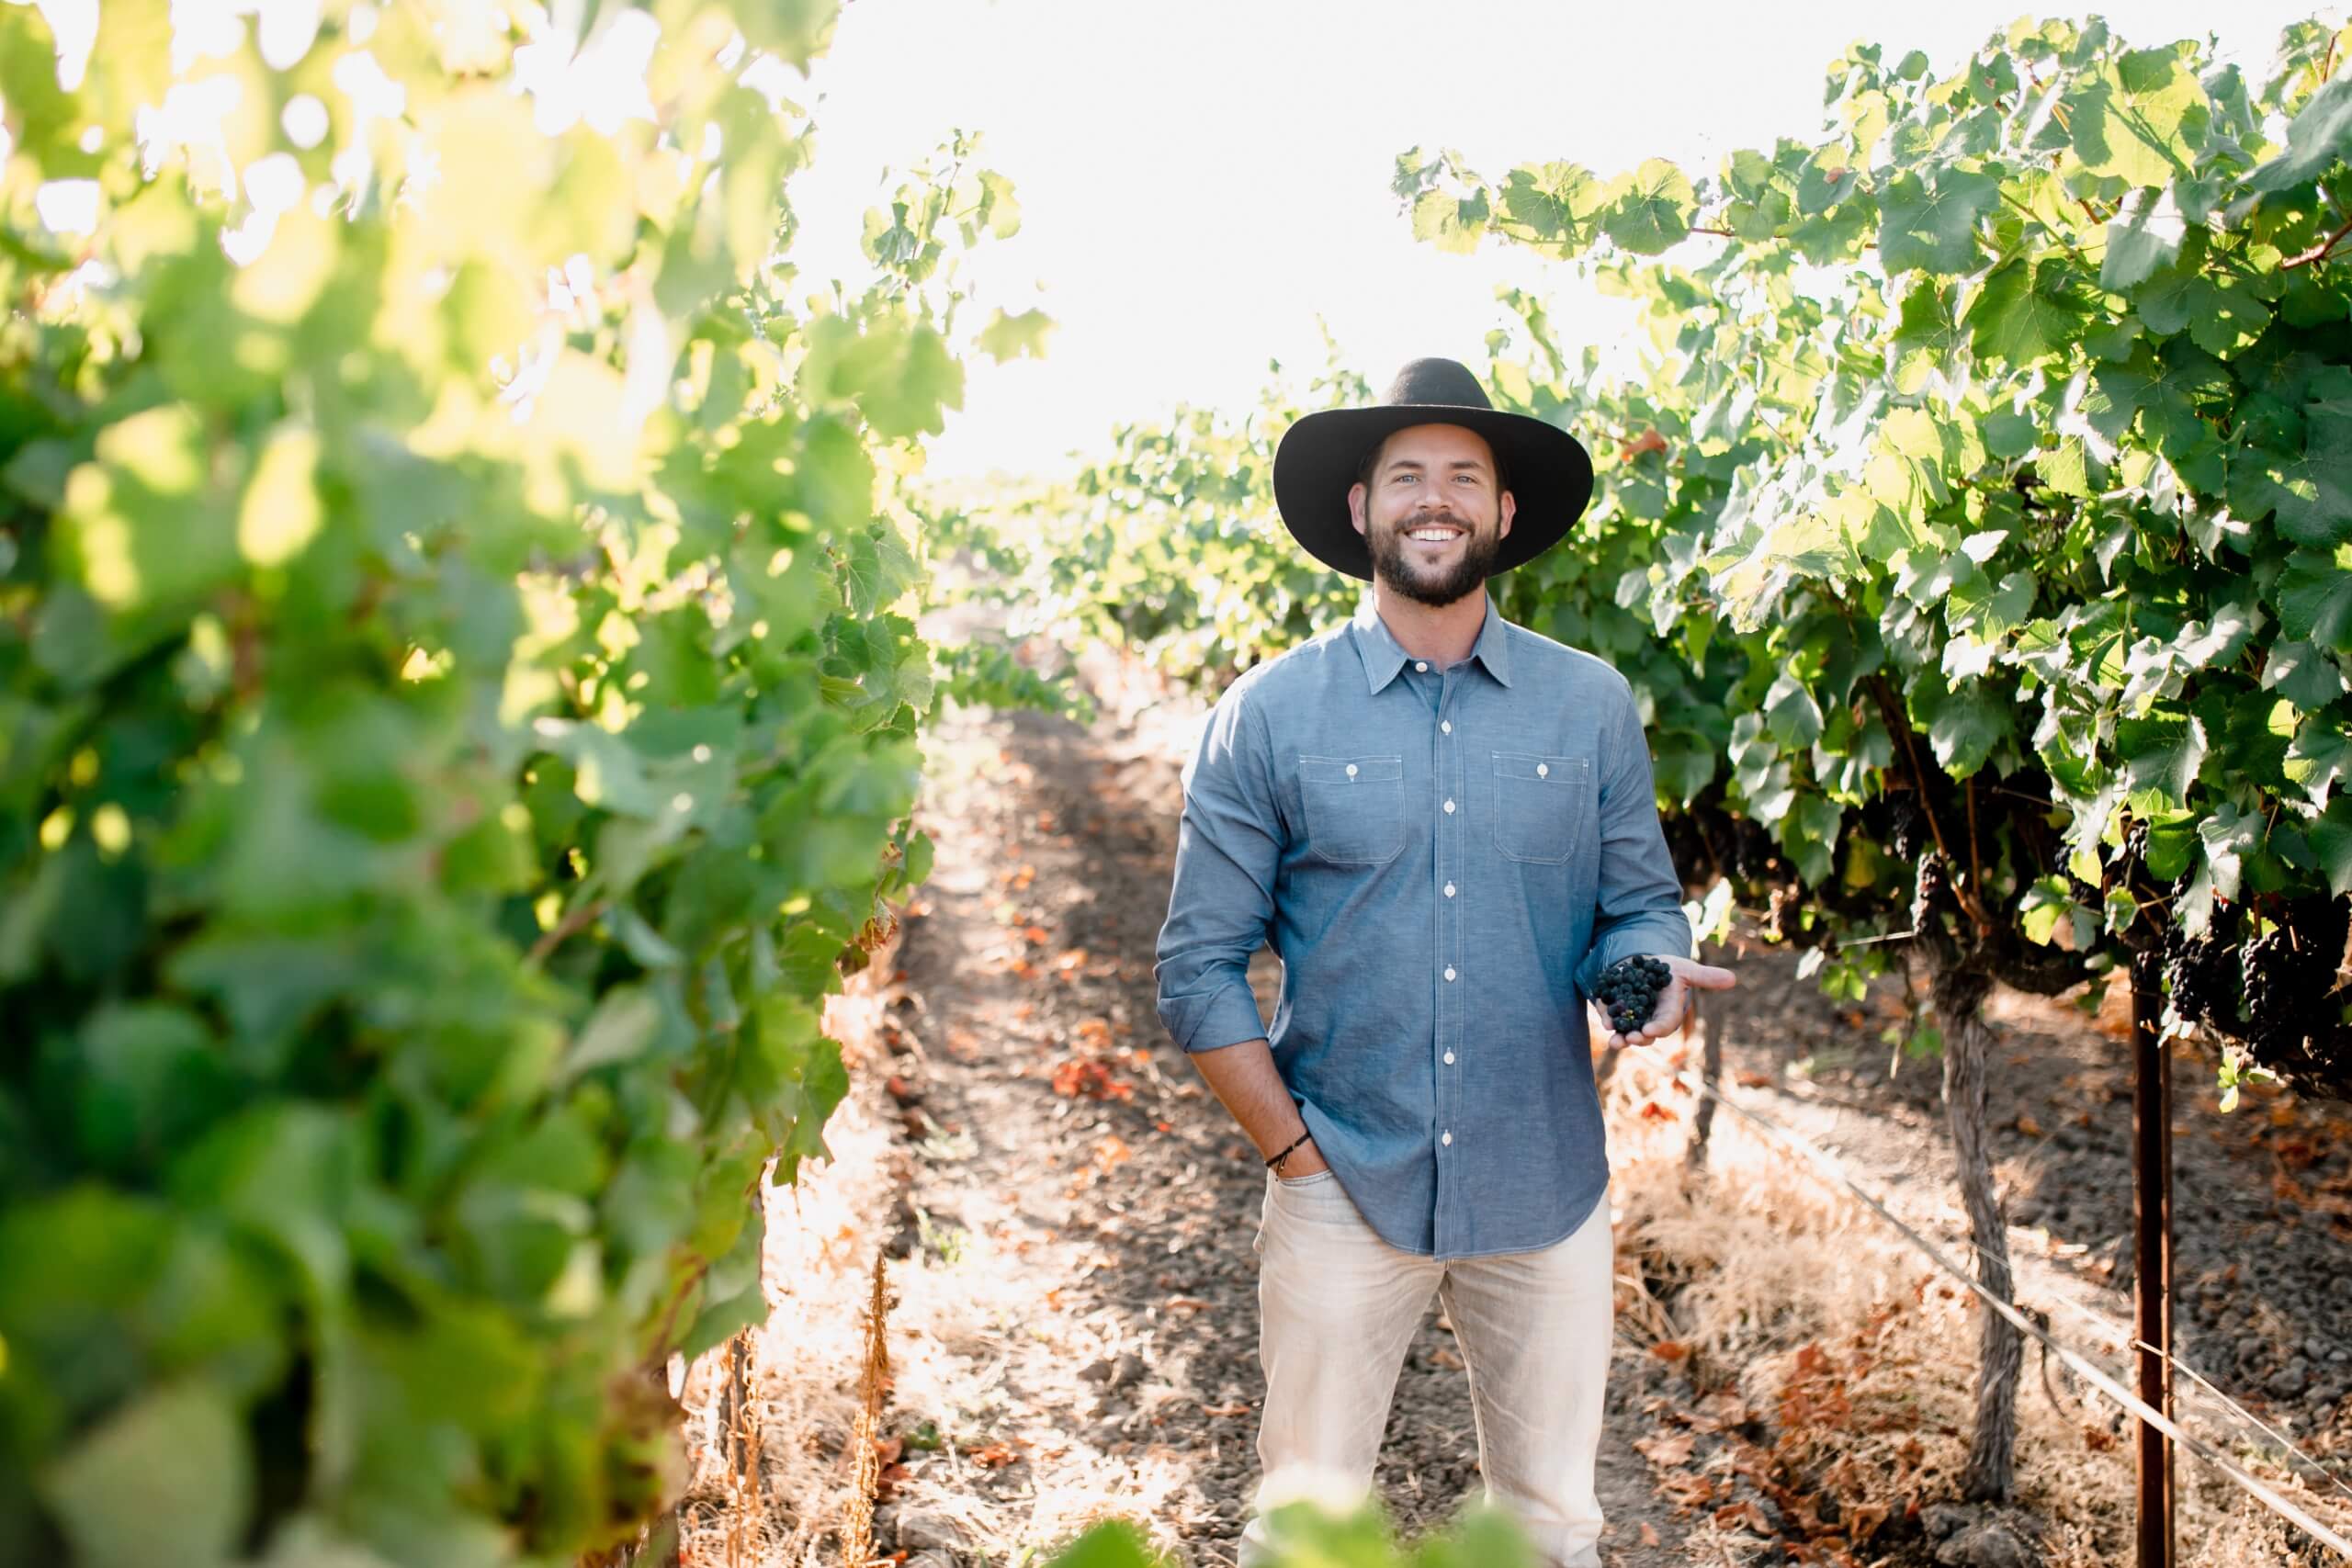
{"x": 1079, "y": 1278}
{"x": 1071, "y": 1215}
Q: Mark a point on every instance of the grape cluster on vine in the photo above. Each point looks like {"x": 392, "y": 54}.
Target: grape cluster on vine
{"x": 1906, "y": 827}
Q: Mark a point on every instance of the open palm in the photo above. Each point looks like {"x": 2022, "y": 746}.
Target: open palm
{"x": 1688, "y": 975}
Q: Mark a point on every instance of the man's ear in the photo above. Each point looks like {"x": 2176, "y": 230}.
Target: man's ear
{"x": 1356, "y": 494}
{"x": 1510, "y": 510}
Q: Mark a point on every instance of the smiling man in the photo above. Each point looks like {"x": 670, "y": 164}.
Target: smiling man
{"x": 1445, "y": 827}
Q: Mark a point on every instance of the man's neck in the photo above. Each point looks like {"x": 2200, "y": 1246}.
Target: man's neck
{"x": 1441, "y": 634}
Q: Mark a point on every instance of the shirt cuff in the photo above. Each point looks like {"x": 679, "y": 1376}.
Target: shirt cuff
{"x": 1668, "y": 935}
{"x": 1213, "y": 1020}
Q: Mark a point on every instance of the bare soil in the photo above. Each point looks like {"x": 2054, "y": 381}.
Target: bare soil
{"x": 1068, "y": 1218}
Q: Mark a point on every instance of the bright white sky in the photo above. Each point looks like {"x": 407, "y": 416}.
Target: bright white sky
{"x": 1201, "y": 182}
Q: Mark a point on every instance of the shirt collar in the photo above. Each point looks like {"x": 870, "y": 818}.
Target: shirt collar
{"x": 1383, "y": 655}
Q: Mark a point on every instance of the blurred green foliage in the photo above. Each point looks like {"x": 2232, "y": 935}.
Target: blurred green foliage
{"x": 458, "y": 700}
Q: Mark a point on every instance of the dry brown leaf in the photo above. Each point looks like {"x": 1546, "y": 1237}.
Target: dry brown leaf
{"x": 1668, "y": 1452}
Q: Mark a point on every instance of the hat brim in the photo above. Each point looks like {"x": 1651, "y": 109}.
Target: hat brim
{"x": 1314, "y": 466}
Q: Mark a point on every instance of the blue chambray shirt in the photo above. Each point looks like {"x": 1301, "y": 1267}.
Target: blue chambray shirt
{"x": 1444, "y": 861}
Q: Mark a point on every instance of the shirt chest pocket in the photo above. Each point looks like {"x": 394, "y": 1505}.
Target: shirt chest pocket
{"x": 1542, "y": 805}
{"x": 1354, "y": 807}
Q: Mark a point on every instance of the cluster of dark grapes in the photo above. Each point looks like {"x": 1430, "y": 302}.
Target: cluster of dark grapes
{"x": 2203, "y": 974}
{"x": 1903, "y": 833}
{"x": 2267, "y": 975}
{"x": 2294, "y": 1016}
{"x": 2135, "y": 841}
{"x": 1630, "y": 989}
{"x": 1931, "y": 892}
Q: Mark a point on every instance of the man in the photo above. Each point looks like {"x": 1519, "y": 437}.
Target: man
{"x": 1445, "y": 826}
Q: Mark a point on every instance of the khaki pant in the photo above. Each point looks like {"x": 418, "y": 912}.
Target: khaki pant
{"x": 1338, "y": 1307}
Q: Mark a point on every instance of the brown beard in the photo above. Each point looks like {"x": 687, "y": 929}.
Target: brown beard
{"x": 1390, "y": 565}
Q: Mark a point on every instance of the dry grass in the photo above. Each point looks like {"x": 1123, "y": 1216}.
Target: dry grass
{"x": 1862, "y": 1356}
{"x": 774, "y": 1475}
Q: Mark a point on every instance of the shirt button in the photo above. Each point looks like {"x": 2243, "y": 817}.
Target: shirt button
{"x": 1352, "y": 770}
{"x": 1445, "y": 725}
{"x": 1422, "y": 665}
{"x": 1448, "y": 1058}
{"x": 1542, "y": 770}
{"x": 1449, "y": 971}
{"x": 1447, "y": 1139}
{"x": 1449, "y": 808}
{"x": 1449, "y": 890}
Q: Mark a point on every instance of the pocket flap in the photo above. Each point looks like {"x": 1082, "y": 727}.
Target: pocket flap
{"x": 1543, "y": 769}
{"x": 1351, "y": 770}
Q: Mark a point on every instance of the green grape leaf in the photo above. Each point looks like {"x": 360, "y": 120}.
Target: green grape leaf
{"x": 795, "y": 31}
{"x": 1933, "y": 228}
{"x": 1650, "y": 209}
{"x": 2162, "y": 754}
{"x": 1016, "y": 337}
{"x": 2310, "y": 492}
{"x": 2315, "y": 598}
{"x": 1809, "y": 832}
{"x": 1926, "y": 338}
{"x": 168, "y": 1479}
{"x": 2142, "y": 121}
{"x": 1763, "y": 197}
{"x": 1552, "y": 207}
{"x": 2143, "y": 238}
{"x": 2320, "y": 756}
{"x": 2224, "y": 317}
{"x": 1828, "y": 178}
{"x": 1452, "y": 223}
{"x": 2316, "y": 138}
{"x": 2302, "y": 674}
{"x": 2027, "y": 312}
{"x": 1963, "y": 725}
{"x": 2331, "y": 839}
{"x": 1791, "y": 713}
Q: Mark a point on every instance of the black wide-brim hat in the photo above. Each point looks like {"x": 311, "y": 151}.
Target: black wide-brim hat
{"x": 1550, "y": 472}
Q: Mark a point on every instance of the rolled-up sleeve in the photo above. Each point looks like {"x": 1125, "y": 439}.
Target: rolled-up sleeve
{"x": 1228, "y": 849}
{"x": 1638, "y": 906}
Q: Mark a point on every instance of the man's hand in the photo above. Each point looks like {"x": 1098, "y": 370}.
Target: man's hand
{"x": 1674, "y": 1002}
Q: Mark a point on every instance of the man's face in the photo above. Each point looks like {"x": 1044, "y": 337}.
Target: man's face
{"x": 1432, "y": 514}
